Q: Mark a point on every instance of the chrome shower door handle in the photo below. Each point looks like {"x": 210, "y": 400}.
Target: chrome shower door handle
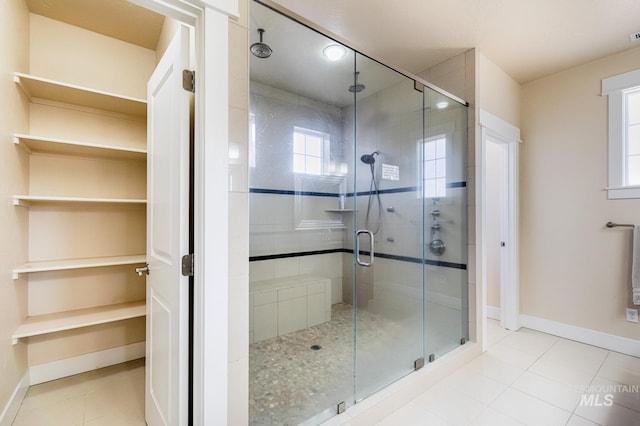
{"x": 358, "y": 260}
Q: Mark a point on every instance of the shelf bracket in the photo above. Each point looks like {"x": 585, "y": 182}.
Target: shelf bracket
{"x": 18, "y": 81}
{"x": 14, "y": 340}
{"x": 16, "y": 141}
{"x": 22, "y": 203}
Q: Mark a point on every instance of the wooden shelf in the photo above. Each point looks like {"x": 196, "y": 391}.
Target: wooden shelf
{"x": 37, "y": 87}
{"x": 66, "y": 264}
{"x": 29, "y": 200}
{"x": 43, "y": 145}
{"x": 52, "y": 323}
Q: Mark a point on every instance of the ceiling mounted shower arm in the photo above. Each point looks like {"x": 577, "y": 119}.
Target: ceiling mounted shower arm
{"x": 356, "y": 87}
{"x": 260, "y": 49}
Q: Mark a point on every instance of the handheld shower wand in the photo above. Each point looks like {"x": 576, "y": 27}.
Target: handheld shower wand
{"x": 370, "y": 159}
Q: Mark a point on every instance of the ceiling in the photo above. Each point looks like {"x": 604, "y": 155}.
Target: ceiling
{"x": 528, "y": 39}
{"x": 298, "y": 66}
{"x": 119, "y": 19}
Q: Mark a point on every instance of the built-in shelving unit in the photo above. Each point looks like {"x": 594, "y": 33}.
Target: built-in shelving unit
{"x": 115, "y": 108}
{"x": 68, "y": 264}
{"x": 43, "y": 88}
{"x": 61, "y": 321}
{"x": 44, "y": 145}
{"x": 29, "y": 200}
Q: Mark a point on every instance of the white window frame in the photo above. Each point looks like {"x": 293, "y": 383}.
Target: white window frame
{"x": 421, "y": 155}
{"x": 324, "y": 152}
{"x": 615, "y": 88}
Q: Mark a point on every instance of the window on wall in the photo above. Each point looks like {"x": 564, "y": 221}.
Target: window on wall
{"x": 632, "y": 142}
{"x": 623, "y": 91}
{"x": 434, "y": 161}
{"x": 310, "y": 151}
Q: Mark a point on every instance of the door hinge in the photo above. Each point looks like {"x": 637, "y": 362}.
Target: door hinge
{"x": 187, "y": 265}
{"x": 189, "y": 80}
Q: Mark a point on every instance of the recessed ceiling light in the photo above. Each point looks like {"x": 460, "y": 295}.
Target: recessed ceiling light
{"x": 442, "y": 104}
{"x": 334, "y": 52}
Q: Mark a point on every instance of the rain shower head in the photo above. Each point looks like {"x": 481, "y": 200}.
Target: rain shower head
{"x": 357, "y": 87}
{"x": 369, "y": 158}
{"x": 260, "y": 49}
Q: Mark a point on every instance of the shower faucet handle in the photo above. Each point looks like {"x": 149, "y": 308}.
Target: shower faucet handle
{"x": 435, "y": 213}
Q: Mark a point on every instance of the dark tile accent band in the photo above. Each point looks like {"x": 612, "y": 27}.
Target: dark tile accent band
{"x": 297, "y": 254}
{"x": 289, "y": 192}
{"x": 348, "y": 194}
{"x": 457, "y": 185}
{"x": 366, "y": 253}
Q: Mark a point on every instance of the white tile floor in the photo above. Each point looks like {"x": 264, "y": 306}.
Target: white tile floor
{"x": 111, "y": 396}
{"x": 526, "y": 378}
{"x": 532, "y": 378}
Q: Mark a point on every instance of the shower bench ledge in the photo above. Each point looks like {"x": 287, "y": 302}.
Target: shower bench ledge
{"x": 283, "y": 305}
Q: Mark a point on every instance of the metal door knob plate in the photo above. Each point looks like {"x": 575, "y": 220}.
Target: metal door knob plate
{"x": 143, "y": 270}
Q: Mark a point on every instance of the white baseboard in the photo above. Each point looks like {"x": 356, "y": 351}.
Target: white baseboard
{"x": 584, "y": 335}
{"x": 493, "y": 312}
{"x": 79, "y": 364}
{"x": 13, "y": 405}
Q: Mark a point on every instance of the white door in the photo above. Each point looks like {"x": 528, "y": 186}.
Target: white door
{"x": 497, "y": 131}
{"x": 167, "y": 362}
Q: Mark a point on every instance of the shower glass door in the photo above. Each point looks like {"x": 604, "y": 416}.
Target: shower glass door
{"x": 357, "y": 214}
{"x": 387, "y": 227}
{"x": 300, "y": 327}
{"x": 445, "y": 218}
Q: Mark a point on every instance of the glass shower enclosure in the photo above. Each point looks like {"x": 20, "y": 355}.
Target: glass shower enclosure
{"x": 358, "y": 229}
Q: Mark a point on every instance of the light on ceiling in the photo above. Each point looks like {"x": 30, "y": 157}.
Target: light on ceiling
{"x": 334, "y": 52}
{"x": 442, "y": 104}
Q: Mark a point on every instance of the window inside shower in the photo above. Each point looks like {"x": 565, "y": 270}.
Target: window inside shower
{"x": 310, "y": 151}
{"x": 434, "y": 157}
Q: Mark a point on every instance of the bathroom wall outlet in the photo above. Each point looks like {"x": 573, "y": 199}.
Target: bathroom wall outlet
{"x": 632, "y": 315}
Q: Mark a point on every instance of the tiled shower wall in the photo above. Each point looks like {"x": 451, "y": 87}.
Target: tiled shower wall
{"x": 281, "y": 222}
{"x": 277, "y": 212}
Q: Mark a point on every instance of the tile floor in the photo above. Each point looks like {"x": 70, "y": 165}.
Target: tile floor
{"x": 290, "y": 383}
{"x": 526, "y": 377}
{"x": 532, "y": 378}
{"x": 111, "y": 396}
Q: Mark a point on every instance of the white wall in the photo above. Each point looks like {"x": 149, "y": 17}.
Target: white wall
{"x": 573, "y": 269}
{"x": 498, "y": 93}
{"x": 14, "y": 169}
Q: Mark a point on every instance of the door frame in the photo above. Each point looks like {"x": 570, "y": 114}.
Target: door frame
{"x": 210, "y": 20}
{"x": 496, "y": 130}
